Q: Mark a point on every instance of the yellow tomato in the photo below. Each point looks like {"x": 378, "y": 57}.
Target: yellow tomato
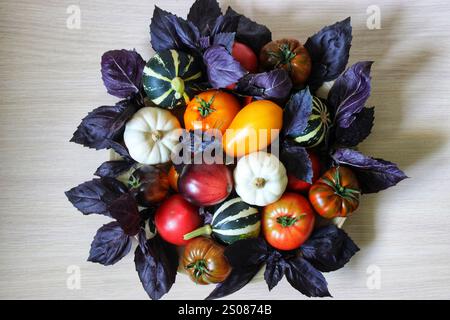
{"x": 255, "y": 127}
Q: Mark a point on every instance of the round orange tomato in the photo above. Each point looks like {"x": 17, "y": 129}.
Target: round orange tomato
{"x": 288, "y": 222}
{"x": 173, "y": 178}
{"x": 255, "y": 127}
{"x": 211, "y": 110}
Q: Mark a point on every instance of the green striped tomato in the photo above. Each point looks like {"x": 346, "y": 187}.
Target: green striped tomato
{"x": 318, "y": 124}
{"x": 169, "y": 78}
{"x": 232, "y": 221}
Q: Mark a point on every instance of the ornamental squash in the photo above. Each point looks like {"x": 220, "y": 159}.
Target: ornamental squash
{"x": 260, "y": 178}
{"x": 233, "y": 220}
{"x": 317, "y": 127}
{"x": 169, "y": 78}
{"x": 151, "y": 135}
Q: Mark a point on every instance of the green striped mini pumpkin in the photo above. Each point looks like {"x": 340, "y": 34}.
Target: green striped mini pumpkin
{"x": 233, "y": 220}
{"x": 169, "y": 78}
{"x": 317, "y": 127}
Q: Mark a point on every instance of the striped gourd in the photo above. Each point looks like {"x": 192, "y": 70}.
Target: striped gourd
{"x": 169, "y": 78}
{"x": 233, "y": 220}
{"x": 317, "y": 127}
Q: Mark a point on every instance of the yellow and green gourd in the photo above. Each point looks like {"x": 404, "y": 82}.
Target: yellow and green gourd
{"x": 318, "y": 124}
{"x": 170, "y": 78}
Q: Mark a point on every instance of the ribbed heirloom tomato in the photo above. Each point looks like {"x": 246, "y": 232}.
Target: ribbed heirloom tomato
{"x": 336, "y": 193}
{"x": 212, "y": 109}
{"x": 288, "y": 223}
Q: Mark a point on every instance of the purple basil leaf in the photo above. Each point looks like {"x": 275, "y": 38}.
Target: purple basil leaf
{"x": 275, "y": 268}
{"x": 222, "y": 68}
{"x": 272, "y": 85}
{"x": 203, "y": 14}
{"x": 329, "y": 248}
{"x": 125, "y": 210}
{"x": 114, "y": 168}
{"x": 225, "y": 39}
{"x": 103, "y": 124}
{"x": 247, "y": 252}
{"x": 249, "y": 32}
{"x": 96, "y": 195}
{"x": 373, "y": 174}
{"x": 206, "y": 214}
{"x": 296, "y": 113}
{"x": 120, "y": 149}
{"x": 305, "y": 278}
{"x": 359, "y": 129}
{"x": 168, "y": 31}
{"x": 122, "y": 72}
{"x": 296, "y": 160}
{"x": 110, "y": 244}
{"x": 235, "y": 281}
{"x": 349, "y": 93}
{"x": 329, "y": 50}
{"x": 156, "y": 266}
{"x": 204, "y": 42}
{"x": 226, "y": 23}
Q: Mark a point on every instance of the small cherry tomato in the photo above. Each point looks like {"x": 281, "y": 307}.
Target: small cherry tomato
{"x": 288, "y": 222}
{"x": 150, "y": 184}
{"x": 298, "y": 185}
{"x": 245, "y": 56}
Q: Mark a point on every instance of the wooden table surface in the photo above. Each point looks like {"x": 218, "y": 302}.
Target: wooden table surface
{"x": 50, "y": 79}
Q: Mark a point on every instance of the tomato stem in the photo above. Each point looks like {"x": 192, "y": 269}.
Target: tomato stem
{"x": 200, "y": 267}
{"x": 205, "y": 108}
{"x": 206, "y": 230}
{"x": 286, "y": 221}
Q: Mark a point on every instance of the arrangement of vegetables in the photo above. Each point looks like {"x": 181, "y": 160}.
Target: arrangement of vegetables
{"x": 280, "y": 119}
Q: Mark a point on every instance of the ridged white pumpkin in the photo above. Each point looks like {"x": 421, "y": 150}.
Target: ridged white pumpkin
{"x": 260, "y": 178}
{"x": 151, "y": 135}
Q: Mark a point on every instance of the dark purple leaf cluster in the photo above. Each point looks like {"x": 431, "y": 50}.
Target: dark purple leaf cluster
{"x": 329, "y": 248}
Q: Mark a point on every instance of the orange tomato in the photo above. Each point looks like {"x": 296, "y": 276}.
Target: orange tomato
{"x": 173, "y": 178}
{"x": 211, "y": 110}
{"x": 252, "y": 128}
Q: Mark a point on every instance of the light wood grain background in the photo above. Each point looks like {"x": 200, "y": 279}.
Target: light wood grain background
{"x": 50, "y": 79}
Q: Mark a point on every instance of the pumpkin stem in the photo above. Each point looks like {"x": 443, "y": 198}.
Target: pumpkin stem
{"x": 177, "y": 84}
{"x": 260, "y": 182}
{"x": 156, "y": 135}
{"x": 206, "y": 230}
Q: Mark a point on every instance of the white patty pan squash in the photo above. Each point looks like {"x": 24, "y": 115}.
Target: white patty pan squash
{"x": 151, "y": 135}
{"x": 260, "y": 178}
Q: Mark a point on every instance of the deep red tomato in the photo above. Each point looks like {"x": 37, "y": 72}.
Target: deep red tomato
{"x": 288, "y": 222}
{"x": 336, "y": 193}
{"x": 295, "y": 184}
{"x": 245, "y": 56}
{"x": 176, "y": 217}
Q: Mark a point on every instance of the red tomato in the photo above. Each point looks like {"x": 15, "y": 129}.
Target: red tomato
{"x": 176, "y": 217}
{"x": 245, "y": 56}
{"x": 288, "y": 222}
{"x": 298, "y": 185}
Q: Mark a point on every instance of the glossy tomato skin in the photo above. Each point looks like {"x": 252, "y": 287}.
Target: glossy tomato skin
{"x": 336, "y": 193}
{"x": 175, "y": 217}
{"x": 298, "y": 185}
{"x": 150, "y": 184}
{"x": 205, "y": 262}
{"x": 212, "y": 109}
{"x": 173, "y": 178}
{"x": 245, "y": 56}
{"x": 290, "y": 55}
{"x": 288, "y": 222}
{"x": 205, "y": 184}
{"x": 251, "y": 129}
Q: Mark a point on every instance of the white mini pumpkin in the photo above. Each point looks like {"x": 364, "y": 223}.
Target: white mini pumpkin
{"x": 151, "y": 135}
{"x": 260, "y": 178}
